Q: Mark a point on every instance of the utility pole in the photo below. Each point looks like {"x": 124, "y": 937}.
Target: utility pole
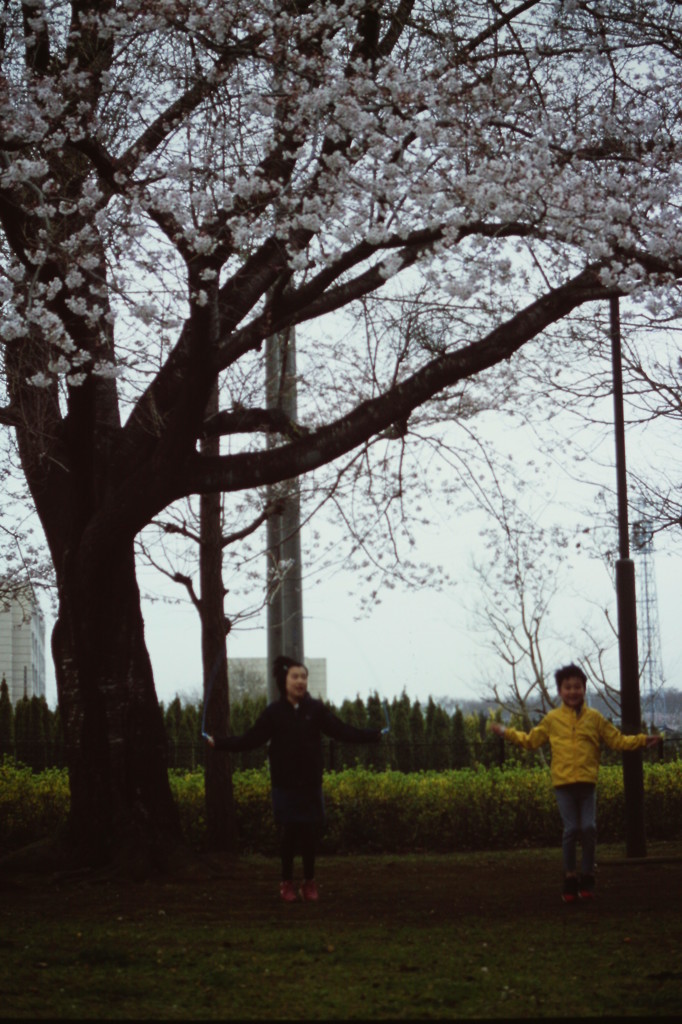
{"x": 284, "y": 584}
{"x": 633, "y": 774}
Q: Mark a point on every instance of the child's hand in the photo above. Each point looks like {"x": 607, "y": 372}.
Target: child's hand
{"x": 498, "y": 729}
{"x": 651, "y": 741}
{"x": 210, "y": 741}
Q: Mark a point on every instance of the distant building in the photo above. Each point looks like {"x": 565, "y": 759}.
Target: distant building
{"x": 22, "y": 646}
{"x": 249, "y": 676}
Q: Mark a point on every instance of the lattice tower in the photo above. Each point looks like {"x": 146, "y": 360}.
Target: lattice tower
{"x": 648, "y": 631}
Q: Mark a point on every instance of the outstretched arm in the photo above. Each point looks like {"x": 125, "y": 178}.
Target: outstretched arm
{"x": 529, "y": 740}
{"x": 617, "y": 740}
{"x": 338, "y": 730}
{"x": 259, "y": 733}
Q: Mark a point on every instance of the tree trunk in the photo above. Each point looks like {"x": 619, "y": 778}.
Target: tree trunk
{"x": 220, "y": 810}
{"x": 122, "y": 809}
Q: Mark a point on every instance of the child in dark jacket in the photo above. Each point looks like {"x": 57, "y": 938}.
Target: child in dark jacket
{"x": 293, "y": 727}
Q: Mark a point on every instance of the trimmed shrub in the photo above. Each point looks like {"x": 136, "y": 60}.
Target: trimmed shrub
{"x": 253, "y": 806}
{"x": 471, "y": 809}
{"x": 377, "y": 811}
{"x": 188, "y": 791}
{"x": 32, "y": 805}
{"x": 662, "y": 799}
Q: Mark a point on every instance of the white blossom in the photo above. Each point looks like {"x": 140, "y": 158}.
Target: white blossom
{"x": 74, "y": 279}
{"x": 529, "y": 144}
{"x": 204, "y": 245}
{"x": 59, "y": 365}
{"x": 39, "y": 380}
{"x": 107, "y": 370}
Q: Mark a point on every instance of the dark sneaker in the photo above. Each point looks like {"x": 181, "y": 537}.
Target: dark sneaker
{"x": 586, "y": 887}
{"x": 287, "y": 892}
{"x": 570, "y": 890}
{"x": 308, "y": 891}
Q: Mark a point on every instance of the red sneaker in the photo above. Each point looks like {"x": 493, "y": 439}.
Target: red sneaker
{"x": 308, "y": 891}
{"x": 586, "y": 887}
{"x": 570, "y": 890}
{"x": 287, "y": 892}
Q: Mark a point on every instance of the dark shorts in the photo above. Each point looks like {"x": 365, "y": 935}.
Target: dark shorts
{"x": 298, "y": 805}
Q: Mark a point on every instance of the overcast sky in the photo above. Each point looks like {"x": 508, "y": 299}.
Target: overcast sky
{"x": 424, "y": 641}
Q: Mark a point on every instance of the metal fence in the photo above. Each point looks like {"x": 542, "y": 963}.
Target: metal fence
{"x": 408, "y": 757}
{"x": 418, "y": 757}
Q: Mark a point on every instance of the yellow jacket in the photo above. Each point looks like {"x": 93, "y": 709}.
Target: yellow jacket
{"x": 575, "y": 739}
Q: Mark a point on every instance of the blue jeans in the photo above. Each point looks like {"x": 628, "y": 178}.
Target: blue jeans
{"x": 578, "y": 807}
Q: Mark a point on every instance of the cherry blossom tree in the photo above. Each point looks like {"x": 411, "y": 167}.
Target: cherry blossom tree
{"x": 182, "y": 180}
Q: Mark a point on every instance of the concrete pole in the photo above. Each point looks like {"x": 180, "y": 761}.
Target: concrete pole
{"x": 285, "y": 605}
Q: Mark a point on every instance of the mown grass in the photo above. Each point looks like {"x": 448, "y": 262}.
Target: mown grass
{"x": 480, "y": 935}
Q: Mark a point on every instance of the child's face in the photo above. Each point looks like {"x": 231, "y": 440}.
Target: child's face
{"x": 297, "y": 684}
{"x": 572, "y": 691}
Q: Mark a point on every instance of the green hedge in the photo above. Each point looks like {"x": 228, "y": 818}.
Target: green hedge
{"x": 32, "y": 805}
{"x": 469, "y": 809}
{"x": 380, "y": 811}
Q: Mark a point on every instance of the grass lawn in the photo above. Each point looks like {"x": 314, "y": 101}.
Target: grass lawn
{"x": 416, "y": 937}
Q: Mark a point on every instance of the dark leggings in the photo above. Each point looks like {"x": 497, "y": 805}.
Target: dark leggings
{"x": 298, "y": 837}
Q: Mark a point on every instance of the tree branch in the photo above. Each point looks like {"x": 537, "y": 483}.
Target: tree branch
{"x": 234, "y": 472}
{"x": 247, "y": 421}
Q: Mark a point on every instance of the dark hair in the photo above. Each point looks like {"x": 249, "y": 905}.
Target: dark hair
{"x": 570, "y": 672}
{"x": 280, "y": 669}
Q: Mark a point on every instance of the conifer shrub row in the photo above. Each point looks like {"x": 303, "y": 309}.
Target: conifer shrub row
{"x": 377, "y": 811}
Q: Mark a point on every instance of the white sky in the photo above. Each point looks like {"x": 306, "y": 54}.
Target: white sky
{"x": 422, "y": 642}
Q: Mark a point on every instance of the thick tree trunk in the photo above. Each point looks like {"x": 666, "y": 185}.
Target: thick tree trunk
{"x": 122, "y": 808}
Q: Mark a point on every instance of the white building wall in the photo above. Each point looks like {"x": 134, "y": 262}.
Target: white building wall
{"x": 22, "y": 648}
{"x": 38, "y": 653}
{"x": 6, "y": 648}
{"x": 21, "y": 653}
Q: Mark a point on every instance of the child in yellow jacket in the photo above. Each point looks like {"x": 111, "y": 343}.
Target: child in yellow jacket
{"x": 575, "y": 734}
